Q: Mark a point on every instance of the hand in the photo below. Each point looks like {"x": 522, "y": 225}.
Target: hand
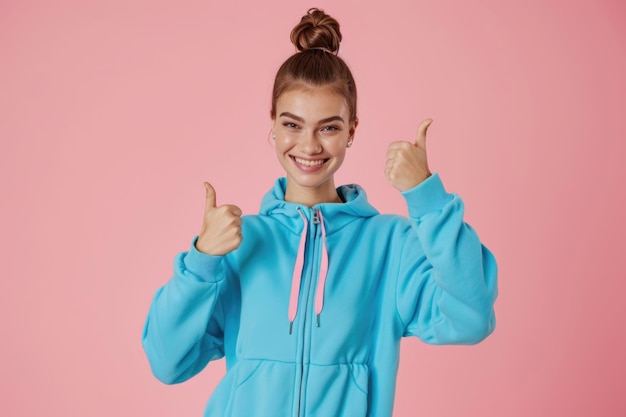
{"x": 221, "y": 228}
{"x": 407, "y": 165}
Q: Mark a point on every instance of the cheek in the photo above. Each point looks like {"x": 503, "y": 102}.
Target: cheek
{"x": 282, "y": 144}
{"x": 339, "y": 150}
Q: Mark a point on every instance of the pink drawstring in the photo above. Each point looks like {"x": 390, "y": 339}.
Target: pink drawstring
{"x": 298, "y": 270}
{"x": 297, "y": 274}
{"x": 321, "y": 282}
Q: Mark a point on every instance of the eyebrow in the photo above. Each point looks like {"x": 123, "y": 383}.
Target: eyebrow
{"x": 300, "y": 119}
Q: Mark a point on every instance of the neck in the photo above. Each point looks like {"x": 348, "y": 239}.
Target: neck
{"x": 311, "y": 196}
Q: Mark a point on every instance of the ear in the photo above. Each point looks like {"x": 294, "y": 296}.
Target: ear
{"x": 272, "y": 133}
{"x": 353, "y": 126}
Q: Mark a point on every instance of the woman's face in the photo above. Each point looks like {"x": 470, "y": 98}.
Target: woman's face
{"x": 312, "y": 130}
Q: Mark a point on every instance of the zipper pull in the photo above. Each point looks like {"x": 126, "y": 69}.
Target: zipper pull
{"x": 316, "y": 217}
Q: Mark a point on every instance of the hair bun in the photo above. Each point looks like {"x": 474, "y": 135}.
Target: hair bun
{"x": 316, "y": 30}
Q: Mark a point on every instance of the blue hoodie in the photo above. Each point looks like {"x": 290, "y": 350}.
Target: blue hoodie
{"x": 310, "y": 309}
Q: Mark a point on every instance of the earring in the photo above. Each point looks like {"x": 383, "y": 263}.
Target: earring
{"x": 349, "y": 143}
{"x": 274, "y": 136}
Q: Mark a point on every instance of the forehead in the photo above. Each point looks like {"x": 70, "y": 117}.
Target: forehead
{"x": 312, "y": 103}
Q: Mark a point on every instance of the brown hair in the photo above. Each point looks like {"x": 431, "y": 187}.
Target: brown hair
{"x": 317, "y": 38}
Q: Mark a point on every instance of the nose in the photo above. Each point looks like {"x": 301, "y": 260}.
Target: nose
{"x": 310, "y": 143}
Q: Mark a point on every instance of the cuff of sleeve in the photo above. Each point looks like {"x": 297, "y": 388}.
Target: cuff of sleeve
{"x": 428, "y": 196}
{"x": 202, "y": 265}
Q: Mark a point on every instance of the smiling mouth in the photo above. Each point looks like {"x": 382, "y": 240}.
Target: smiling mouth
{"x": 309, "y": 163}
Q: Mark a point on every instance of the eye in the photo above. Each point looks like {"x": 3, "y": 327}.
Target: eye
{"x": 290, "y": 125}
{"x": 330, "y": 128}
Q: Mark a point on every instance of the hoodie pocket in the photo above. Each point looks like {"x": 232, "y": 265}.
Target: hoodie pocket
{"x": 263, "y": 389}
{"x": 336, "y": 390}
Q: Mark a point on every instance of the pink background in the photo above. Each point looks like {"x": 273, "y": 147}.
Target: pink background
{"x": 112, "y": 113}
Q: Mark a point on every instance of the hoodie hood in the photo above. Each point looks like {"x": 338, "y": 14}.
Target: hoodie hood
{"x": 336, "y": 215}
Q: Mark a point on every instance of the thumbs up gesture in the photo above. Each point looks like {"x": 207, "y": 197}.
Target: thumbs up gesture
{"x": 221, "y": 228}
{"x": 406, "y": 164}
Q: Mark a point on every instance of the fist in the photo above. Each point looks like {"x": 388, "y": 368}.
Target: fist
{"x": 406, "y": 164}
{"x": 221, "y": 228}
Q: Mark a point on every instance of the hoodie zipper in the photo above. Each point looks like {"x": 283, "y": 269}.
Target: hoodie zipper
{"x": 315, "y": 220}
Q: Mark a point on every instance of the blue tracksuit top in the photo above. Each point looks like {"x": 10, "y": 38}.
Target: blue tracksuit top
{"x": 310, "y": 309}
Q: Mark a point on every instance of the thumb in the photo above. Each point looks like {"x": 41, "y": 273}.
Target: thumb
{"x": 420, "y": 141}
{"x": 210, "y": 196}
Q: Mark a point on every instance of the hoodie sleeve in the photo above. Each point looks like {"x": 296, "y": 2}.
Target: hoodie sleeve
{"x": 184, "y": 328}
{"x": 447, "y": 280}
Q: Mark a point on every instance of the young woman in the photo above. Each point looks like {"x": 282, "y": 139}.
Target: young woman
{"x": 308, "y": 300}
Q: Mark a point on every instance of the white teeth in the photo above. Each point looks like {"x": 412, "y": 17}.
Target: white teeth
{"x": 309, "y": 163}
